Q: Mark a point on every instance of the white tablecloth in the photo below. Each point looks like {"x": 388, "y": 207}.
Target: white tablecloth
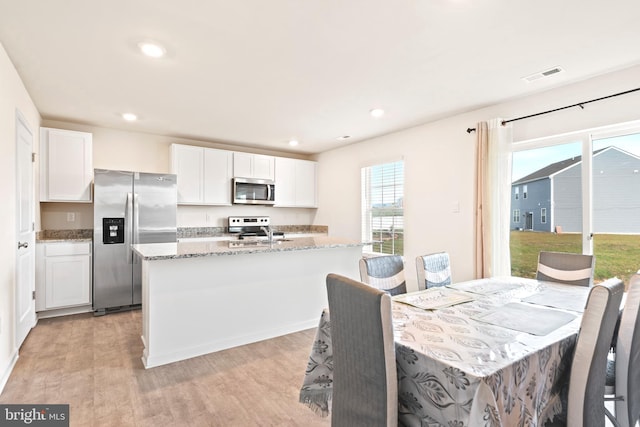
{"x": 454, "y": 370}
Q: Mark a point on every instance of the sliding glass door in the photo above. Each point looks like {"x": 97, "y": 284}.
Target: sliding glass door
{"x": 616, "y": 205}
{"x": 546, "y": 204}
{"x": 578, "y": 193}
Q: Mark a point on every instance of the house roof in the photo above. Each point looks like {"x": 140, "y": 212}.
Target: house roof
{"x": 556, "y": 167}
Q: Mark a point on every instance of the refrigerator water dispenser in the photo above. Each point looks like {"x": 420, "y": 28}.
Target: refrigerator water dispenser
{"x": 112, "y": 230}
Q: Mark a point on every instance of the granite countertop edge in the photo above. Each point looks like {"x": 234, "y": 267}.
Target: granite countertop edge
{"x": 86, "y": 234}
{"x": 64, "y": 240}
{"x": 165, "y": 251}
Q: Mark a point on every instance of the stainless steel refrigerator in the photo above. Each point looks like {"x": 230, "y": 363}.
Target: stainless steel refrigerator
{"x": 128, "y": 208}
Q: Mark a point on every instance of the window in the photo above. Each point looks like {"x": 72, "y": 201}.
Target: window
{"x": 382, "y": 207}
{"x": 524, "y": 191}
{"x": 516, "y": 215}
{"x": 517, "y": 192}
{"x": 573, "y": 176}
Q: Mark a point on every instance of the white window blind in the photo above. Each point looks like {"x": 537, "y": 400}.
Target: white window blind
{"x": 382, "y": 207}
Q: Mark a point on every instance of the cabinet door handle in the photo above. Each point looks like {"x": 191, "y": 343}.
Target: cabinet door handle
{"x": 23, "y": 245}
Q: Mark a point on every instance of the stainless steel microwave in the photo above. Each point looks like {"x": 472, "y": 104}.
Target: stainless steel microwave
{"x": 251, "y": 191}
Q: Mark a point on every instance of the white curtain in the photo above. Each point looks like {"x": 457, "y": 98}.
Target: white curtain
{"x": 493, "y": 198}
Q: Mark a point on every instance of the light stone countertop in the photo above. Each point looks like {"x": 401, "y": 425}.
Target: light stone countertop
{"x": 161, "y": 251}
{"x": 64, "y": 236}
{"x": 64, "y": 240}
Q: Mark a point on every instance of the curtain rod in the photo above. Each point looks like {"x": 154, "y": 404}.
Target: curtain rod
{"x": 579, "y": 104}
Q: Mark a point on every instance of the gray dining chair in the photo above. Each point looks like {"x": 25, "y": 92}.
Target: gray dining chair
{"x": 587, "y": 376}
{"x": 433, "y": 270}
{"x": 567, "y": 268}
{"x": 623, "y": 372}
{"x": 385, "y": 273}
{"x": 365, "y": 385}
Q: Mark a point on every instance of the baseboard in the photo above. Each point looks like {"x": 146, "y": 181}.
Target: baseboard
{"x": 64, "y": 311}
{"x": 7, "y": 372}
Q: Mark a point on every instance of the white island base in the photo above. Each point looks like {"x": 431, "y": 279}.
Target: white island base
{"x": 197, "y": 305}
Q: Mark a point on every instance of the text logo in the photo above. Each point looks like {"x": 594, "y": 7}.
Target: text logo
{"x": 34, "y": 415}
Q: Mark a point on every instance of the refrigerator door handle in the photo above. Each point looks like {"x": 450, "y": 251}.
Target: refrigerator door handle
{"x": 136, "y": 219}
{"x": 129, "y": 224}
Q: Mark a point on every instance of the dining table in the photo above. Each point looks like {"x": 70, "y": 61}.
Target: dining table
{"x": 486, "y": 352}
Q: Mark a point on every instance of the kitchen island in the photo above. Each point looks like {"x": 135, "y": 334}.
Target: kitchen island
{"x": 201, "y": 297}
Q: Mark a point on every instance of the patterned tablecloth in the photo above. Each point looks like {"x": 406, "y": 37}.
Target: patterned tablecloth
{"x": 456, "y": 368}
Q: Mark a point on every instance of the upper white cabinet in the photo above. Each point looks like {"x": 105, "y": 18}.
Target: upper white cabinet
{"x": 247, "y": 165}
{"x": 295, "y": 183}
{"x": 204, "y": 174}
{"x": 66, "y": 165}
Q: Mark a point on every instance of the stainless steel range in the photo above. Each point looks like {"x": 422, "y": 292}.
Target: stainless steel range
{"x": 252, "y": 227}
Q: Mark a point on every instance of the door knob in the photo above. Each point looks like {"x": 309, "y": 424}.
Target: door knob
{"x": 23, "y": 245}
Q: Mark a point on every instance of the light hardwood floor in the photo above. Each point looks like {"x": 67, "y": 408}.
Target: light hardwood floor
{"x": 93, "y": 364}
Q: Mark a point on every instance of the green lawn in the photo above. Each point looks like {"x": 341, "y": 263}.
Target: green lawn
{"x": 616, "y": 254}
{"x": 389, "y": 242}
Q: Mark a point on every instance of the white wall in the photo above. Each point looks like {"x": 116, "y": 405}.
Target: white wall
{"x": 440, "y": 166}
{"x": 13, "y": 95}
{"x": 142, "y": 152}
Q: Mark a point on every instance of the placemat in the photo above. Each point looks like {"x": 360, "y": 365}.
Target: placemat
{"x": 485, "y": 287}
{"x": 434, "y": 298}
{"x": 526, "y": 318}
{"x": 566, "y": 299}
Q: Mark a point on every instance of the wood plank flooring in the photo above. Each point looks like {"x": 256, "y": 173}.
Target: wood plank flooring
{"x": 93, "y": 364}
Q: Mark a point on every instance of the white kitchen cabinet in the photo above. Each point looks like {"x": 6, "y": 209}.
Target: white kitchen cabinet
{"x": 204, "y": 174}
{"x": 248, "y": 165}
{"x": 285, "y": 185}
{"x": 306, "y": 184}
{"x": 63, "y": 275}
{"x": 295, "y": 183}
{"x": 187, "y": 162}
{"x": 66, "y": 165}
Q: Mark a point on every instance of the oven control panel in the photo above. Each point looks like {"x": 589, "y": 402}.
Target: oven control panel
{"x": 259, "y": 221}
{"x": 243, "y": 224}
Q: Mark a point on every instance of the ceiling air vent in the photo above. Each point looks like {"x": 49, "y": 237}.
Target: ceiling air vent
{"x": 542, "y": 74}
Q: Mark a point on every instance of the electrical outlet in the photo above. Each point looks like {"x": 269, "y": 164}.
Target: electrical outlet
{"x": 71, "y": 216}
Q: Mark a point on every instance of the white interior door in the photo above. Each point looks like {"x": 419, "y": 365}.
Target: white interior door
{"x": 25, "y": 245}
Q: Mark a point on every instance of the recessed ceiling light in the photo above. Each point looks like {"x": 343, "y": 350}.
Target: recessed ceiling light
{"x": 377, "y": 112}
{"x": 293, "y": 143}
{"x": 130, "y": 117}
{"x": 152, "y": 49}
{"x": 343, "y": 137}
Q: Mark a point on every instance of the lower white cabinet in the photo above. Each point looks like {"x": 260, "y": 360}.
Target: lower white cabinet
{"x": 63, "y": 275}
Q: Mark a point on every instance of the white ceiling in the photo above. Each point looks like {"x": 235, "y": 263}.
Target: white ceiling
{"x": 261, "y": 72}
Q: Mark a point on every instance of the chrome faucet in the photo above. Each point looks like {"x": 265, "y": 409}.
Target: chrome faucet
{"x": 267, "y": 229}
